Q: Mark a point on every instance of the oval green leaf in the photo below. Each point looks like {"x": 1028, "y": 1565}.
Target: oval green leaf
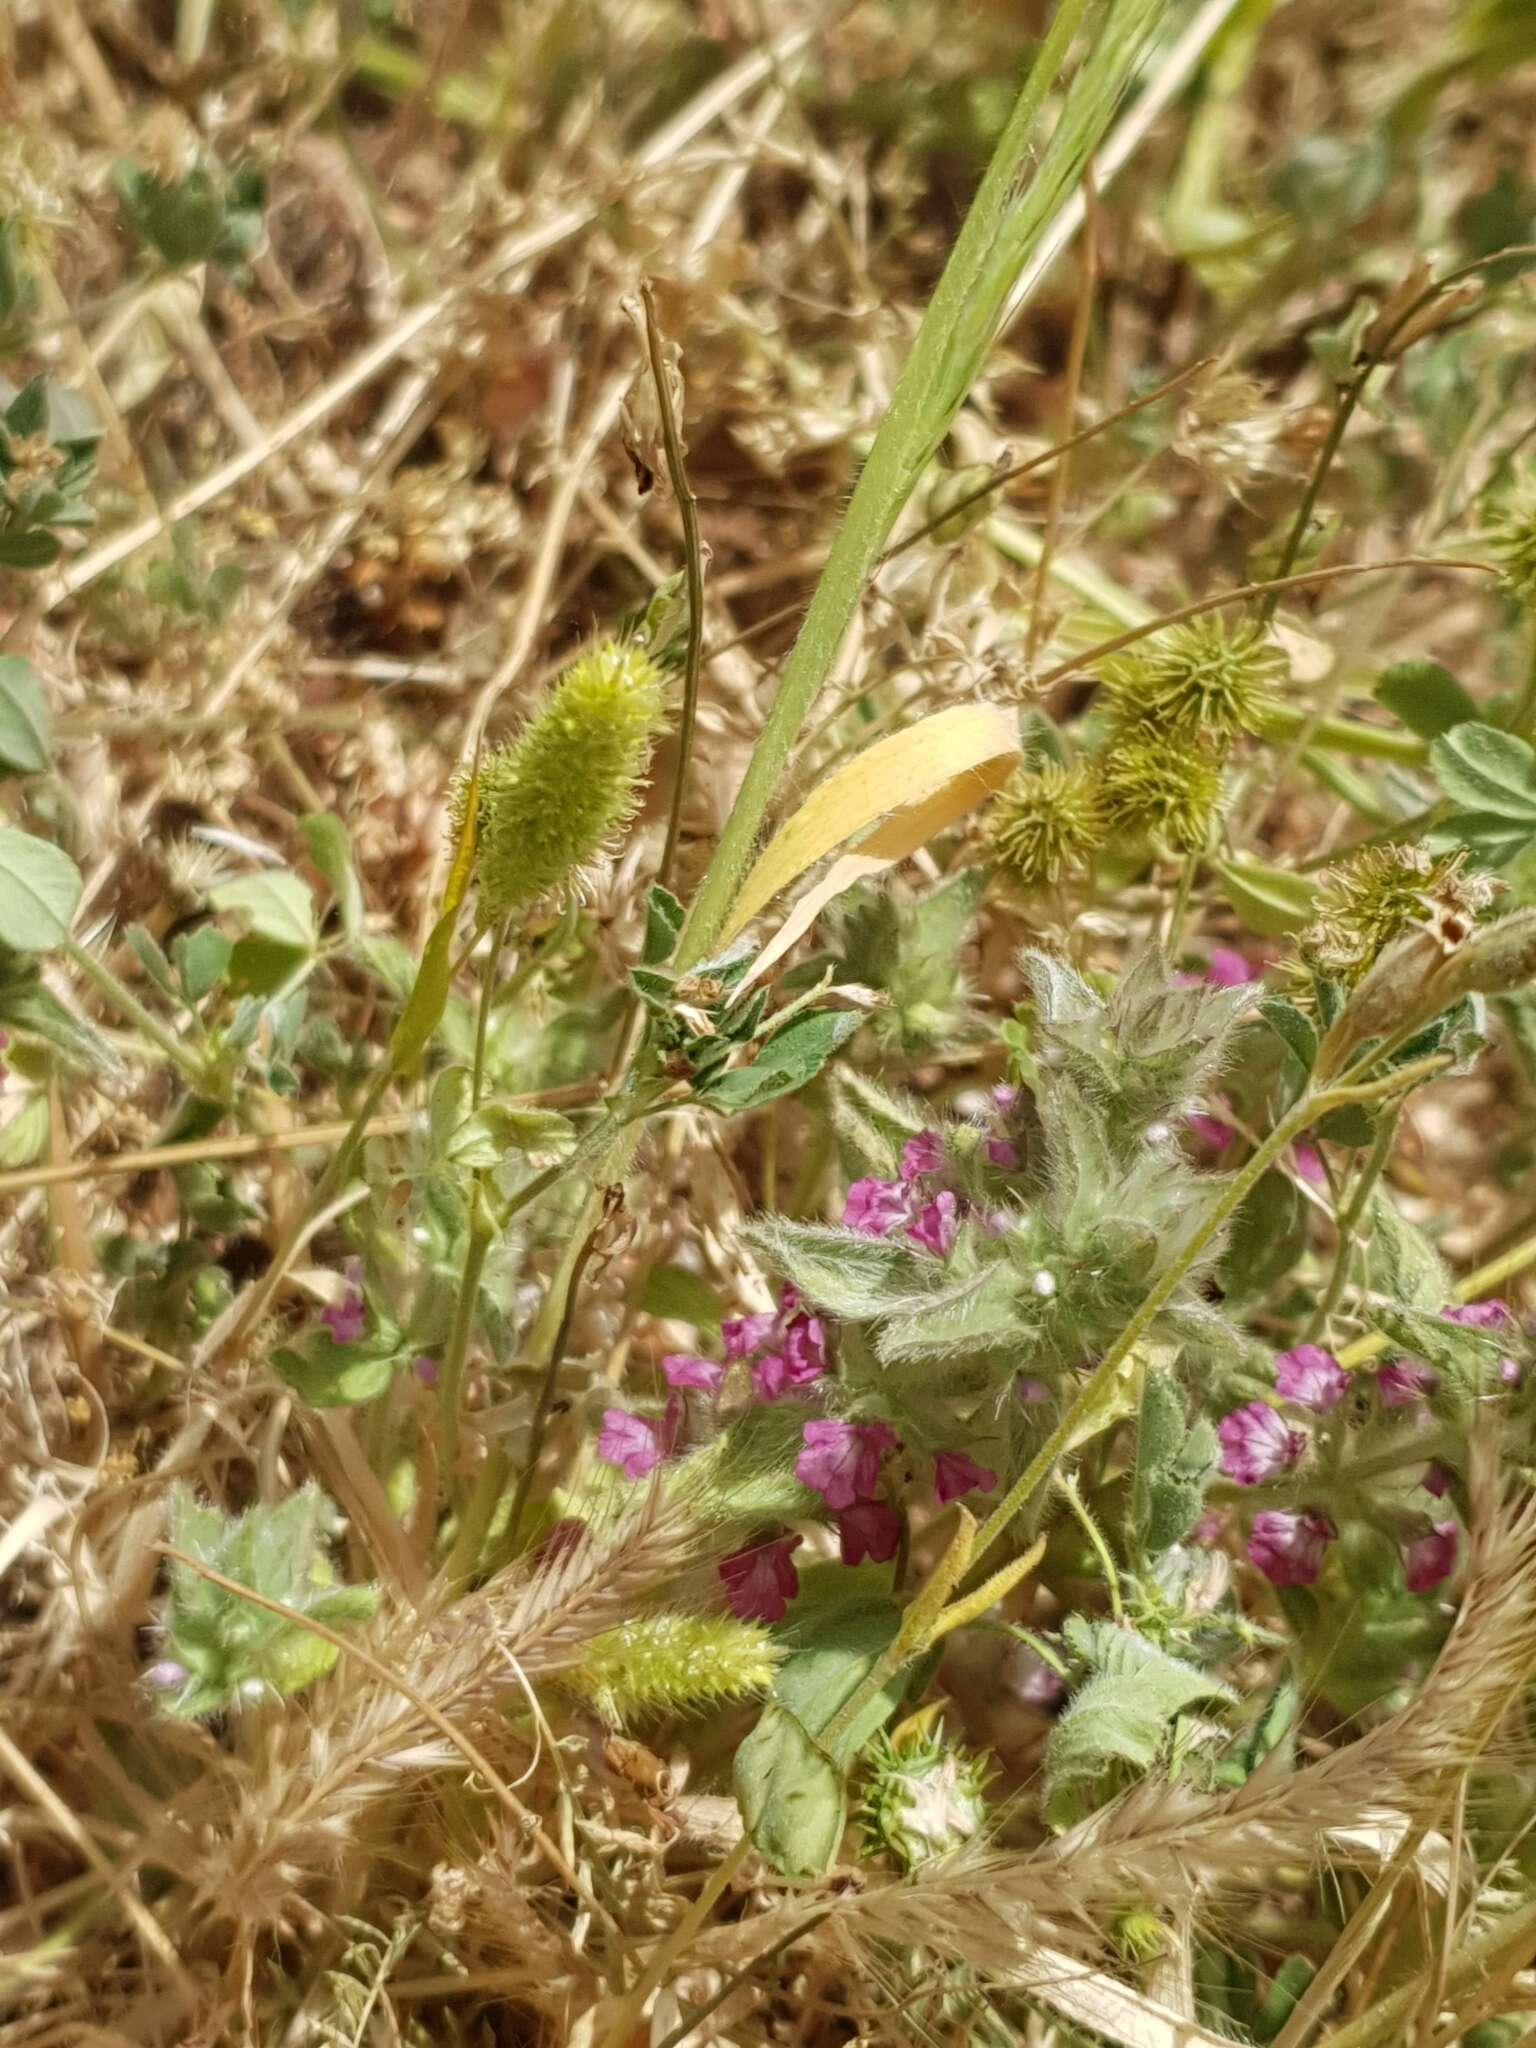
{"x": 39, "y": 888}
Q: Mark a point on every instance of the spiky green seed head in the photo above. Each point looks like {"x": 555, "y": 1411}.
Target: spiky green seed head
{"x": 551, "y": 799}
{"x": 923, "y": 1799}
{"x": 1140, "y": 1937}
{"x": 1514, "y": 544}
{"x": 1379, "y": 894}
{"x": 1044, "y": 822}
{"x": 1151, "y": 783}
{"x": 1201, "y": 678}
{"x": 662, "y": 1662}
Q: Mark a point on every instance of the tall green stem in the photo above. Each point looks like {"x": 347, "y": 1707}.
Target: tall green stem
{"x": 1011, "y": 212}
{"x": 127, "y": 1004}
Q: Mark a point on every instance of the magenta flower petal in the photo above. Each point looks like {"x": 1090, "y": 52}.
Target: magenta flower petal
{"x": 425, "y": 1369}
{"x": 1029, "y": 1391}
{"x": 1210, "y": 1131}
{"x": 956, "y": 1473}
{"x": 1430, "y": 1559}
{"x": 1312, "y": 1377}
{"x": 1287, "y": 1546}
{"x": 1256, "y": 1443}
{"x": 761, "y": 1581}
{"x": 841, "y": 1460}
{"x": 348, "y": 1318}
{"x": 1003, "y": 1155}
{"x": 1436, "y": 1479}
{"x": 1481, "y": 1315}
{"x": 869, "y": 1529}
{"x": 875, "y": 1208}
{"x": 922, "y": 1154}
{"x": 635, "y": 1445}
{"x": 742, "y": 1335}
{"x": 680, "y": 1369}
{"x": 937, "y": 1224}
{"x": 1227, "y": 968}
{"x": 1401, "y": 1381}
{"x": 1308, "y": 1162}
{"x": 805, "y": 1346}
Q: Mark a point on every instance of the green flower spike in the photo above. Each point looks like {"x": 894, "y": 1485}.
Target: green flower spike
{"x": 662, "y": 1662}
{"x": 1514, "y": 544}
{"x": 551, "y": 799}
{"x": 1366, "y": 902}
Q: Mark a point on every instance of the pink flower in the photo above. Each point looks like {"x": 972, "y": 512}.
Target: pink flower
{"x": 1308, "y": 1162}
{"x": 805, "y": 1346}
{"x": 956, "y": 1473}
{"x": 1287, "y": 1546}
{"x": 166, "y": 1674}
{"x": 1002, "y": 1154}
{"x": 1481, "y": 1315}
{"x": 1208, "y": 1531}
{"x": 1436, "y": 1479}
{"x": 1005, "y": 1098}
{"x": 1509, "y": 1371}
{"x": 1210, "y": 1131}
{"x": 760, "y": 1581}
{"x": 1401, "y": 1381}
{"x": 1256, "y": 1443}
{"x": 869, "y": 1529}
{"x": 922, "y": 1154}
{"x": 1228, "y": 969}
{"x": 1312, "y": 1377}
{"x": 425, "y": 1369}
{"x": 1030, "y": 1392}
{"x": 937, "y": 1224}
{"x": 1032, "y": 1681}
{"x": 348, "y": 1318}
{"x": 742, "y": 1335}
{"x": 1430, "y": 1559}
{"x": 681, "y": 1370}
{"x": 875, "y": 1208}
{"x": 841, "y": 1460}
{"x": 631, "y": 1442}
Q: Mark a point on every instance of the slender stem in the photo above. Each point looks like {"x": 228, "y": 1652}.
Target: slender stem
{"x": 583, "y": 1245}
{"x": 1349, "y": 1222}
{"x": 1241, "y": 595}
{"x": 1351, "y": 398}
{"x": 1077, "y": 349}
{"x": 1095, "y": 1535}
{"x": 693, "y": 570}
{"x": 450, "y": 1383}
{"x": 487, "y": 999}
{"x": 128, "y": 1005}
{"x": 676, "y": 1944}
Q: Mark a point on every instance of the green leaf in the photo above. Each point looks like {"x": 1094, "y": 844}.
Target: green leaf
{"x": 1119, "y": 1721}
{"x": 147, "y": 951}
{"x": 1173, "y": 1461}
{"x": 23, "y": 718}
{"x": 331, "y": 851}
{"x": 202, "y": 960}
{"x": 1294, "y": 1026}
{"x": 839, "y": 1270}
{"x": 1470, "y": 1355}
{"x": 1404, "y": 1265}
{"x": 1426, "y": 697}
{"x": 1487, "y": 770}
{"x": 276, "y": 904}
{"x": 28, "y": 548}
{"x": 663, "y": 921}
{"x": 1268, "y": 1234}
{"x": 485, "y": 1139}
{"x": 790, "y": 1793}
{"x": 790, "y": 1059}
{"x": 25, "y": 1137}
{"x": 1284, "y": 1995}
{"x": 789, "y": 1787}
{"x": 1272, "y": 900}
{"x": 28, "y": 410}
{"x": 681, "y": 1297}
{"x": 39, "y": 888}
{"x": 1496, "y": 840}
{"x": 331, "y": 1375}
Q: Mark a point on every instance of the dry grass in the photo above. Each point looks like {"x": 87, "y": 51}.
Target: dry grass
{"x": 412, "y": 428}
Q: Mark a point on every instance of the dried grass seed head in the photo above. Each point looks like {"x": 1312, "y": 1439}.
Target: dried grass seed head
{"x": 551, "y": 799}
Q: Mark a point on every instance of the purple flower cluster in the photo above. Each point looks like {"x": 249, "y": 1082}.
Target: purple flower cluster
{"x": 786, "y": 1348}
{"x": 348, "y": 1318}
{"x": 1288, "y": 1545}
{"x": 917, "y": 1204}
